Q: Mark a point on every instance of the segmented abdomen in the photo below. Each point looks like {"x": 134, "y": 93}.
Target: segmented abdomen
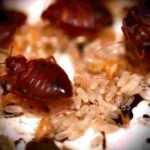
{"x": 43, "y": 80}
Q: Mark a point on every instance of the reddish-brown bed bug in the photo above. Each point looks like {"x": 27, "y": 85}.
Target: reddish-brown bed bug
{"x": 37, "y": 79}
{"x": 10, "y": 22}
{"x": 78, "y": 17}
{"x": 136, "y": 29}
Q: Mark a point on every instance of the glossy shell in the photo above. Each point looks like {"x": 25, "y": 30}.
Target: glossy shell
{"x": 38, "y": 79}
{"x": 78, "y": 17}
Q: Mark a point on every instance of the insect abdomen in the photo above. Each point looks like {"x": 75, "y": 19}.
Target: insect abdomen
{"x": 44, "y": 80}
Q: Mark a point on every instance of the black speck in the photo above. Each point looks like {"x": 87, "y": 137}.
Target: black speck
{"x": 137, "y": 100}
{"x": 18, "y": 141}
{"x": 81, "y": 47}
{"x": 118, "y": 120}
{"x": 12, "y": 115}
{"x": 104, "y": 140}
{"x": 127, "y": 110}
{"x": 146, "y": 116}
{"x": 148, "y": 140}
{"x": 63, "y": 140}
{"x": 149, "y": 104}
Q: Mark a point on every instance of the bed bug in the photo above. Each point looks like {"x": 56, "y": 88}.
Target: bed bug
{"x": 10, "y": 22}
{"x": 37, "y": 79}
{"x": 78, "y": 17}
{"x": 136, "y": 29}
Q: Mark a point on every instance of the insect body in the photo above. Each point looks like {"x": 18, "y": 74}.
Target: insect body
{"x": 10, "y": 22}
{"x": 78, "y": 17}
{"x": 136, "y": 29}
{"x": 36, "y": 79}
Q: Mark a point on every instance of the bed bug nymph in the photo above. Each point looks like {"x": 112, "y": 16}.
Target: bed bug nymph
{"x": 37, "y": 79}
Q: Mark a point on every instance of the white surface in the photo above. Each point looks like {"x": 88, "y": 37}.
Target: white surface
{"x": 117, "y": 29}
{"x": 65, "y": 62}
{"x": 134, "y": 137}
{"x": 19, "y": 127}
{"x": 84, "y": 142}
